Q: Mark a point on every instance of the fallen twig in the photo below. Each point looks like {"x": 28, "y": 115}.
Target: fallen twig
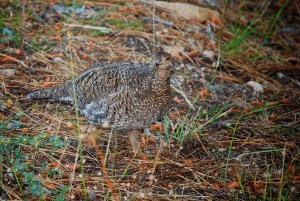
{"x": 103, "y": 29}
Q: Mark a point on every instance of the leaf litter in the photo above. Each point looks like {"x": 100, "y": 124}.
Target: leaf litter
{"x": 222, "y": 139}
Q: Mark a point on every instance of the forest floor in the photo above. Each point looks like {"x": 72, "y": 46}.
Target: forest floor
{"x": 233, "y": 132}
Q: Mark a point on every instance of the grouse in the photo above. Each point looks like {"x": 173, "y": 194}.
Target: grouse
{"x": 122, "y": 96}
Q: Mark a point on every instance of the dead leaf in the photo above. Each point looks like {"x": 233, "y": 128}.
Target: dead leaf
{"x": 257, "y": 104}
{"x": 53, "y": 164}
{"x": 8, "y": 59}
{"x": 216, "y": 20}
{"x": 188, "y": 11}
{"x": 192, "y": 53}
{"x": 216, "y": 186}
{"x": 154, "y": 127}
{"x": 151, "y": 139}
{"x": 144, "y": 157}
{"x": 286, "y": 100}
{"x": 296, "y": 178}
{"x": 234, "y": 110}
{"x": 203, "y": 93}
{"x": 189, "y": 55}
{"x": 188, "y": 162}
{"x": 180, "y": 58}
{"x": 233, "y": 185}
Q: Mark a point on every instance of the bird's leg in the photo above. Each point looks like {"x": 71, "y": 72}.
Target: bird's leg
{"x": 133, "y": 138}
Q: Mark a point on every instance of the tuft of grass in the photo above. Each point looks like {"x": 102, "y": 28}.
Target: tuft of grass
{"x": 275, "y": 22}
{"x": 237, "y": 45}
{"x": 234, "y": 131}
{"x": 189, "y": 126}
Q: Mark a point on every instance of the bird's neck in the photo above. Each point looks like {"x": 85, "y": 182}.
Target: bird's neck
{"x": 163, "y": 74}
{"x": 162, "y": 85}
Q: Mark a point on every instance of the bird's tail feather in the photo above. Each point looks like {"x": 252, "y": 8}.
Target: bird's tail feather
{"x": 58, "y": 93}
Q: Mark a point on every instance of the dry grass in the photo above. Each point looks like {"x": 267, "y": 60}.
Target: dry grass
{"x": 236, "y": 144}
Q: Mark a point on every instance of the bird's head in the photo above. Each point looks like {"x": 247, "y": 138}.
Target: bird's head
{"x": 163, "y": 65}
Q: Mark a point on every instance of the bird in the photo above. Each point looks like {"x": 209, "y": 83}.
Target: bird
{"x": 122, "y": 96}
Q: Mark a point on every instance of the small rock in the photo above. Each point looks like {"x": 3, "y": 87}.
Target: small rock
{"x": 58, "y": 60}
{"x": 208, "y": 53}
{"x": 255, "y": 86}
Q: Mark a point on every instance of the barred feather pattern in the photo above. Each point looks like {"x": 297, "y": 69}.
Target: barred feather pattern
{"x": 55, "y": 94}
{"x": 125, "y": 96}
